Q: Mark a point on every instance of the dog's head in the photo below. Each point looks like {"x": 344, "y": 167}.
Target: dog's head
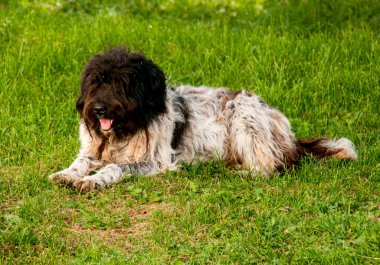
{"x": 121, "y": 92}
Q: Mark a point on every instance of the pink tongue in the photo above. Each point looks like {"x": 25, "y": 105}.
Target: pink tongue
{"x": 105, "y": 124}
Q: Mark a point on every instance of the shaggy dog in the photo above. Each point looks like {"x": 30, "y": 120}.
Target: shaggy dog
{"x": 131, "y": 123}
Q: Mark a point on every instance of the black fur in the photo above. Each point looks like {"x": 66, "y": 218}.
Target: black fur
{"x": 130, "y": 87}
{"x": 180, "y": 126}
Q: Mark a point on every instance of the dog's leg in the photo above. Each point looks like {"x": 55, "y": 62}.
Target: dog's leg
{"x": 112, "y": 173}
{"x": 81, "y": 166}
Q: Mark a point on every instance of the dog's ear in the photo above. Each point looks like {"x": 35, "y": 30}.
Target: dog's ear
{"x": 84, "y": 87}
{"x": 80, "y": 104}
{"x": 155, "y": 79}
{"x": 158, "y": 80}
{"x": 146, "y": 83}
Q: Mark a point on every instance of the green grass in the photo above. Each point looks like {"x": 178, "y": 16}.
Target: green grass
{"x": 317, "y": 61}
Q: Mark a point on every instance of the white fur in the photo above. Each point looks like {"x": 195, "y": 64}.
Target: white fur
{"x": 237, "y": 127}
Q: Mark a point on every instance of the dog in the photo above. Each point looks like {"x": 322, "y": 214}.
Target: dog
{"x": 131, "y": 122}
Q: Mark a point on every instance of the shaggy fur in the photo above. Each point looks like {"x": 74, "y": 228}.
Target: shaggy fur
{"x": 132, "y": 124}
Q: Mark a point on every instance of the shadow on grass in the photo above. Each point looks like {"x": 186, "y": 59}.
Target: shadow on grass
{"x": 288, "y": 15}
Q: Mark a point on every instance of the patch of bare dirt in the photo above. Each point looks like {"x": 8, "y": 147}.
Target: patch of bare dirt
{"x": 141, "y": 225}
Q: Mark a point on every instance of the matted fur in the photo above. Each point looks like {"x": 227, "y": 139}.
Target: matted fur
{"x": 131, "y": 123}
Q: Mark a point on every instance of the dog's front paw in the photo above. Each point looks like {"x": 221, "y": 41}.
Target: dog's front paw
{"x": 65, "y": 177}
{"x": 85, "y": 185}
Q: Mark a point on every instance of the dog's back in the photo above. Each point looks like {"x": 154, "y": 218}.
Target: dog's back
{"x": 243, "y": 130}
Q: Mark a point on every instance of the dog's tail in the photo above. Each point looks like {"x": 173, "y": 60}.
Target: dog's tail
{"x": 321, "y": 148}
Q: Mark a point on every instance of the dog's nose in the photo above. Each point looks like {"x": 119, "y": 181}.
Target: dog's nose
{"x": 100, "y": 109}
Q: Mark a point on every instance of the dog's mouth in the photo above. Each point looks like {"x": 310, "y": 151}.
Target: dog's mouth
{"x": 105, "y": 124}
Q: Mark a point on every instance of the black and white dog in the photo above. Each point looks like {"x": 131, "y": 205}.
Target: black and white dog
{"x": 131, "y": 123}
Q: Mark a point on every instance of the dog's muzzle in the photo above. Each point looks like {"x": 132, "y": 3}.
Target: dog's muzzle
{"x": 100, "y": 109}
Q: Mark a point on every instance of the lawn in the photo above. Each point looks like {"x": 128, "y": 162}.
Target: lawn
{"x": 318, "y": 61}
